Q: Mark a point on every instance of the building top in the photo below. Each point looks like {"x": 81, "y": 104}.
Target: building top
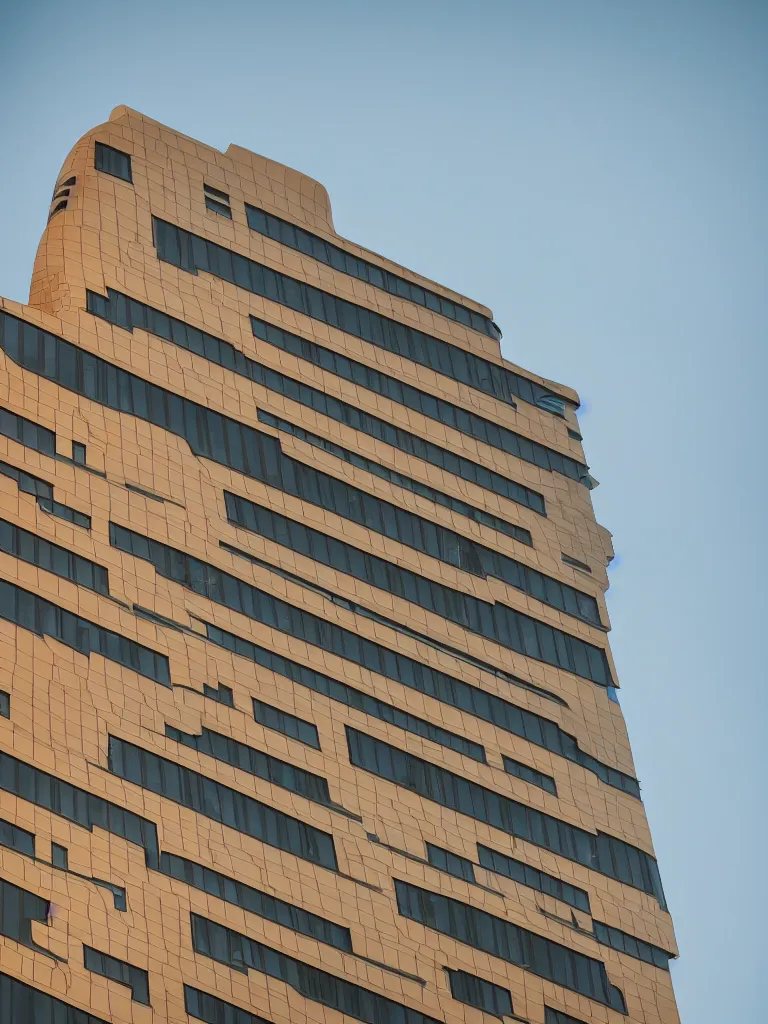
{"x": 278, "y": 202}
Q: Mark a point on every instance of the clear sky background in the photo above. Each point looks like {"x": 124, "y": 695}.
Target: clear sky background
{"x": 595, "y": 171}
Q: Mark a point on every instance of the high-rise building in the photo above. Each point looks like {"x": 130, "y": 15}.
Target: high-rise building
{"x": 308, "y": 712}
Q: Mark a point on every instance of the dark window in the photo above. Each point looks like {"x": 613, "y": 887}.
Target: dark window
{"x": 334, "y": 256}
{"x": 536, "y": 778}
{"x": 444, "y": 688}
{"x": 15, "y": 838}
{"x": 248, "y": 450}
{"x": 43, "y": 553}
{"x": 489, "y": 619}
{"x": 220, "y": 803}
{"x": 118, "y": 895}
{"x": 23, "y": 1004}
{"x": 603, "y": 853}
{"x": 634, "y": 947}
{"x": 79, "y": 453}
{"x": 223, "y": 588}
{"x": 408, "y": 483}
{"x": 433, "y": 407}
{"x": 353, "y": 698}
{"x": 217, "y": 201}
{"x": 113, "y": 161}
{"x": 384, "y": 332}
{"x": 59, "y": 856}
{"x": 248, "y": 759}
{"x": 128, "y": 313}
{"x": 474, "y": 991}
{"x": 558, "y": 1017}
{"x": 211, "y": 191}
{"x": 43, "y": 492}
{"x": 256, "y": 902}
{"x": 216, "y": 207}
{"x": 297, "y": 728}
{"x": 399, "y": 627}
{"x": 18, "y": 909}
{"x": 510, "y": 942}
{"x": 65, "y": 184}
{"x": 495, "y": 621}
{"x": 212, "y": 1010}
{"x": 192, "y": 253}
{"x": 77, "y": 805}
{"x": 46, "y": 619}
{"x": 25, "y": 431}
{"x": 575, "y": 562}
{"x": 501, "y": 864}
{"x": 129, "y": 397}
{"x": 5, "y": 704}
{"x": 451, "y": 863}
{"x": 61, "y": 205}
{"x": 134, "y": 978}
{"x": 242, "y": 954}
{"x": 220, "y": 693}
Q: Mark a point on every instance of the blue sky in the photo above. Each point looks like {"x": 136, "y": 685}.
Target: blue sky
{"x": 593, "y": 170}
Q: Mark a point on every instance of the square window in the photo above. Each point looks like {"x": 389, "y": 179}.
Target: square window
{"x": 113, "y": 161}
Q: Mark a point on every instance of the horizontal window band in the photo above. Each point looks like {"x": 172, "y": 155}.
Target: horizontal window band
{"x": 16, "y": 998}
{"x": 440, "y": 686}
{"x": 14, "y": 838}
{"x": 283, "y": 722}
{"x": 213, "y": 1010}
{"x": 256, "y": 762}
{"x": 431, "y": 406}
{"x": 192, "y": 253}
{"x": 510, "y": 942}
{"x": 530, "y": 775}
{"x": 559, "y": 1017}
{"x": 345, "y": 694}
{"x": 220, "y": 803}
{"x": 43, "y": 494}
{"x": 533, "y": 878}
{"x": 486, "y": 618}
{"x": 477, "y": 515}
{"x": 27, "y": 432}
{"x": 317, "y": 248}
{"x": 484, "y": 995}
{"x": 450, "y": 863}
{"x": 255, "y": 901}
{"x": 605, "y": 854}
{"x": 398, "y": 627}
{"x": 242, "y": 954}
{"x": 98, "y": 380}
{"x": 34, "y": 550}
{"x": 128, "y": 314}
{"x": 77, "y": 805}
{"x": 249, "y": 451}
{"x": 232, "y": 592}
{"x": 638, "y": 949}
{"x": 134, "y": 978}
{"x": 44, "y": 618}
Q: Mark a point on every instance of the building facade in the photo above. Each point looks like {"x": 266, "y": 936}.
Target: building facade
{"x": 307, "y": 709}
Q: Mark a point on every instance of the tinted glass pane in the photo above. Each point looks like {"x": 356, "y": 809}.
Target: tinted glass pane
{"x": 113, "y": 161}
{"x": 466, "y": 797}
{"x": 303, "y": 240}
{"x": 173, "y": 242}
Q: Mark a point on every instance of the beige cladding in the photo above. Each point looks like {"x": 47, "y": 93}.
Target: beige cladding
{"x": 64, "y": 705}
